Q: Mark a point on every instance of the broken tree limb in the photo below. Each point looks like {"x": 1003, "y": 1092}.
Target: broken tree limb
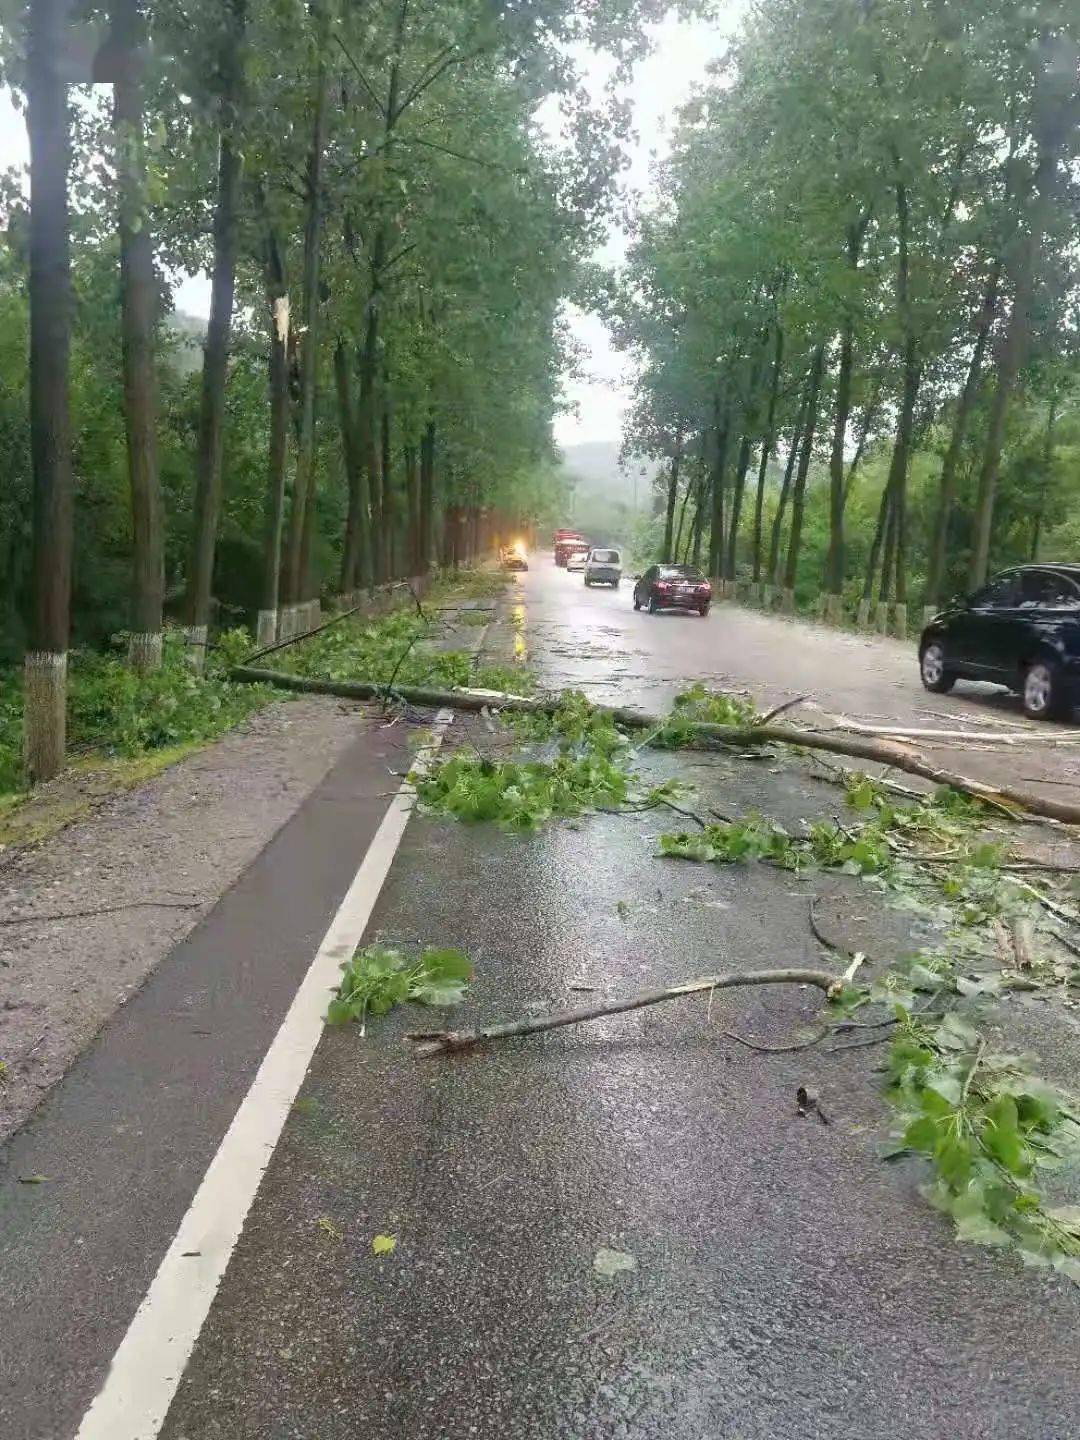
{"x": 439, "y": 1042}
{"x": 1006, "y": 798}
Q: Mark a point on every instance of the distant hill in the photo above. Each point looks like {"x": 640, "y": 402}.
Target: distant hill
{"x": 605, "y": 499}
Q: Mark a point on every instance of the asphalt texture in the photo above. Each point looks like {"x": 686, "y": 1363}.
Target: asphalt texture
{"x": 772, "y": 1277}
{"x": 93, "y": 1187}
{"x": 592, "y": 638}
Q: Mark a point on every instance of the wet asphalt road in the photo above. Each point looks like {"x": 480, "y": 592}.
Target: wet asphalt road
{"x": 592, "y": 638}
{"x": 783, "y": 1282}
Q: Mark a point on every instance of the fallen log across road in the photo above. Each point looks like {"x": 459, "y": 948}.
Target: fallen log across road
{"x": 880, "y": 751}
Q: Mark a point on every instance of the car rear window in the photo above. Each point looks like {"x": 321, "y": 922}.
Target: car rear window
{"x": 680, "y": 572}
{"x": 606, "y": 557}
{"x": 1043, "y": 587}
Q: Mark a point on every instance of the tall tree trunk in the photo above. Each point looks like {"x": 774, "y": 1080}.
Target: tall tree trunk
{"x": 277, "y": 297}
{"x": 427, "y": 495}
{"x": 218, "y": 331}
{"x": 834, "y": 562}
{"x": 44, "y": 723}
{"x": 742, "y": 464}
{"x": 672, "y": 496}
{"x": 721, "y": 430}
{"x": 798, "y": 496}
{"x": 1052, "y": 120}
{"x": 389, "y": 509}
{"x": 901, "y": 460}
{"x": 301, "y": 518}
{"x": 138, "y": 304}
{"x": 1047, "y": 467}
{"x": 737, "y": 491}
{"x": 356, "y": 556}
{"x": 965, "y": 407}
{"x": 676, "y": 546}
{"x": 896, "y": 523}
{"x": 785, "y": 486}
{"x": 412, "y": 504}
{"x": 869, "y": 414}
{"x": 875, "y": 549}
{"x": 700, "y": 494}
{"x": 767, "y": 446}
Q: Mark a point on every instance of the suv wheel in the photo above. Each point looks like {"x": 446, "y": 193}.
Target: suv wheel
{"x": 654, "y": 608}
{"x": 936, "y": 675}
{"x": 933, "y": 670}
{"x": 1041, "y": 694}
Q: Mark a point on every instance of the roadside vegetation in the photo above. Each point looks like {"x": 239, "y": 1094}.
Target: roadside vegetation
{"x": 388, "y": 236}
{"x": 854, "y": 306}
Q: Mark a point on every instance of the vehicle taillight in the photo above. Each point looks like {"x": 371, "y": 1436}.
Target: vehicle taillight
{"x": 705, "y": 589}
{"x": 663, "y": 585}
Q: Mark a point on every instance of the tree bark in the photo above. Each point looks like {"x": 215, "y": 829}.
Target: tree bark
{"x": 355, "y": 560}
{"x": 785, "y": 486}
{"x": 875, "y": 547}
{"x": 44, "y": 724}
{"x": 412, "y": 504}
{"x": 722, "y": 426}
{"x": 1051, "y": 122}
{"x": 898, "y": 470}
{"x": 798, "y": 497}
{"x": 767, "y": 446}
{"x": 964, "y": 409}
{"x": 301, "y": 518}
{"x": 427, "y": 495}
{"x": 138, "y": 305}
{"x": 834, "y": 561}
{"x": 277, "y": 298}
{"x": 218, "y": 331}
{"x": 389, "y": 509}
{"x": 1047, "y": 467}
{"x": 672, "y": 496}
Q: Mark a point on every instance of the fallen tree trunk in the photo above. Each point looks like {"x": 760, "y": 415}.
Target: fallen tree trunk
{"x": 888, "y": 752}
{"x": 879, "y": 751}
{"x": 439, "y": 1042}
{"x": 473, "y": 700}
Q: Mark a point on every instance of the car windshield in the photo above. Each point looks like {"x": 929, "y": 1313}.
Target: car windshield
{"x": 606, "y": 557}
{"x": 680, "y": 572}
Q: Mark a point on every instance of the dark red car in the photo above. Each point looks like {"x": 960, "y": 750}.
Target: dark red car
{"x": 673, "y": 587}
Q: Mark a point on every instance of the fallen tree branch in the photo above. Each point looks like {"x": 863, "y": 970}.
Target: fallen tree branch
{"x": 102, "y": 910}
{"x": 778, "y": 1049}
{"x": 779, "y": 709}
{"x": 439, "y": 1042}
{"x": 1005, "y": 798}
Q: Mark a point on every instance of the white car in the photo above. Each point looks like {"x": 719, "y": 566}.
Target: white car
{"x": 576, "y": 559}
{"x": 603, "y": 567}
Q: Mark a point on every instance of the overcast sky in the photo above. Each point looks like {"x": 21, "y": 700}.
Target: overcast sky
{"x": 682, "y": 51}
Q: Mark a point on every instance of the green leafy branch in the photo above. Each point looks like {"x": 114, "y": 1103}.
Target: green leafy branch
{"x": 378, "y": 978}
{"x": 988, "y": 1128}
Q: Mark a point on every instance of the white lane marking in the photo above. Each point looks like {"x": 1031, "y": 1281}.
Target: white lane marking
{"x": 147, "y": 1367}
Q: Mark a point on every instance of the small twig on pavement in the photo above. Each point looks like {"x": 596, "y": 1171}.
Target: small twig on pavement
{"x": 102, "y": 910}
{"x": 777, "y": 1049}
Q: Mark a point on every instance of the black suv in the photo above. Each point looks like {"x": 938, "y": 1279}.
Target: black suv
{"x": 1022, "y": 630}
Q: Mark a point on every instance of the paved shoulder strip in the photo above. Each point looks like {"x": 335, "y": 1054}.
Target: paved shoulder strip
{"x": 148, "y": 1365}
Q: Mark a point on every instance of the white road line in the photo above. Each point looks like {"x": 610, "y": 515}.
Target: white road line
{"x": 147, "y": 1367}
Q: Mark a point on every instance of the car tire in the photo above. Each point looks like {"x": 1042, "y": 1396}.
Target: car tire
{"x": 1041, "y": 695}
{"x": 654, "y": 608}
{"x": 703, "y": 610}
{"x": 933, "y": 671}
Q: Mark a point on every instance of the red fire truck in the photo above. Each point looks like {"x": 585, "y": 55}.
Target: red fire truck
{"x": 566, "y": 540}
